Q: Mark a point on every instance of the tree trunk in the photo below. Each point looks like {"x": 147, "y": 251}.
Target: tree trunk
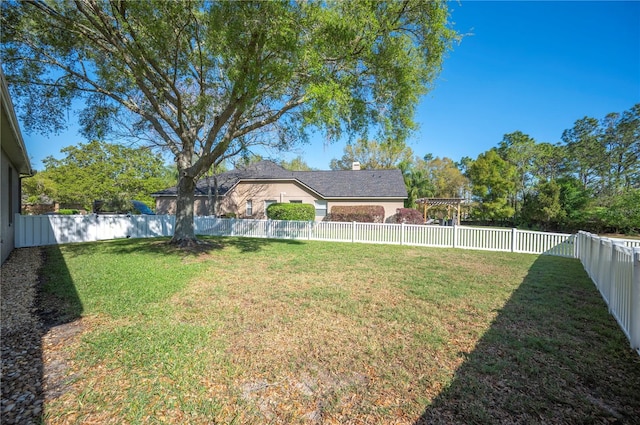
{"x": 215, "y": 194}
{"x": 184, "y": 234}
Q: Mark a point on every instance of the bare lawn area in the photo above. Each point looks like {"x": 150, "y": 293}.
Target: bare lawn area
{"x": 257, "y": 331}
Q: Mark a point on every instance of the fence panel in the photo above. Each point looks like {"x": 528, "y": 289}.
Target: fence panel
{"x": 558, "y": 244}
{"x": 629, "y": 243}
{"x": 58, "y": 229}
{"x": 621, "y": 285}
{"x": 333, "y": 231}
{"x": 615, "y": 270}
{"x": 434, "y": 236}
{"x": 378, "y": 233}
{"x": 288, "y": 229}
{"x": 484, "y": 238}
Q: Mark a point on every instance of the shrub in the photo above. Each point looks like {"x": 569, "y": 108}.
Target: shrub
{"x": 359, "y": 213}
{"x": 295, "y": 212}
{"x": 68, "y": 212}
{"x": 407, "y": 216}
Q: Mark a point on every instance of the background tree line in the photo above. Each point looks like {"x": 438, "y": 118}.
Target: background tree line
{"x": 97, "y": 170}
{"x": 589, "y": 181}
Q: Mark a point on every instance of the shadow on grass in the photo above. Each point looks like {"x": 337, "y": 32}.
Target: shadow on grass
{"x": 552, "y": 355}
{"x": 59, "y": 302}
{"x": 161, "y": 246}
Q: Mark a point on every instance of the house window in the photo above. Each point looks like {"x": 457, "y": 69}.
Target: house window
{"x": 249, "y": 211}
{"x": 295, "y": 202}
{"x": 321, "y": 208}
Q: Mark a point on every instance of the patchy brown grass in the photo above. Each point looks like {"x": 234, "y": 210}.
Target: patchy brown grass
{"x": 291, "y": 332}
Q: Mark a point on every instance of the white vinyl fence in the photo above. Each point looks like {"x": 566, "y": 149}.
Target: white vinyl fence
{"x": 614, "y": 267}
{"x": 39, "y": 230}
{"x": 58, "y": 229}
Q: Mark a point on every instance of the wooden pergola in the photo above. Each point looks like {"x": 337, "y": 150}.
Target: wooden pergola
{"x": 450, "y": 203}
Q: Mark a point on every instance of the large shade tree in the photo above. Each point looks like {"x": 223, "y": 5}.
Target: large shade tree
{"x": 206, "y": 79}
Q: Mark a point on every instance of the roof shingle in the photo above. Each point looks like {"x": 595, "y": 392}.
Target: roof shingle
{"x": 328, "y": 184}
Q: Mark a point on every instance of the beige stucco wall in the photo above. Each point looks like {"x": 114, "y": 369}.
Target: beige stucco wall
{"x": 260, "y": 192}
{"x": 8, "y": 208}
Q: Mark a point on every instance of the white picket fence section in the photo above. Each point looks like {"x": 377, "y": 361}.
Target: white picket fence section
{"x": 41, "y": 230}
{"x": 614, "y": 267}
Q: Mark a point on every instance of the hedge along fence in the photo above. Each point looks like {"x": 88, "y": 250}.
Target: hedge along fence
{"x": 291, "y": 212}
{"x": 357, "y": 213}
{"x": 407, "y": 216}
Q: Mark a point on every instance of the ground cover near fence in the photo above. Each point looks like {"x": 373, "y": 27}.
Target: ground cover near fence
{"x": 279, "y": 331}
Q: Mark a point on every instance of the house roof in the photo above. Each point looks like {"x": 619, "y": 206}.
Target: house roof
{"x": 11, "y": 138}
{"x": 327, "y": 184}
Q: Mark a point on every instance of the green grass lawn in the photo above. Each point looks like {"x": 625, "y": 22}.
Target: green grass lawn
{"x": 254, "y": 331}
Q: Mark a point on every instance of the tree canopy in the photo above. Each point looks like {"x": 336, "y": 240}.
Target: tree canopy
{"x": 100, "y": 171}
{"x": 296, "y": 164}
{"x": 492, "y": 179}
{"x": 373, "y": 154}
{"x": 590, "y": 181}
{"x": 205, "y": 80}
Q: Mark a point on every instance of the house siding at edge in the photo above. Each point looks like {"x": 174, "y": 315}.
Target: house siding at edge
{"x": 247, "y": 192}
{"x": 14, "y": 164}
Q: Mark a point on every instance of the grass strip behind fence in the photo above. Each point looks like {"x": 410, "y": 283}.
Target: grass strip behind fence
{"x": 271, "y": 331}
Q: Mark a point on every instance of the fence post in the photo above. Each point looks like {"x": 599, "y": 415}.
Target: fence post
{"x": 634, "y": 328}
{"x": 402, "y": 234}
{"x": 353, "y": 231}
{"x": 594, "y": 245}
{"x": 603, "y": 271}
{"x": 513, "y": 239}
{"x": 455, "y": 236}
{"x": 613, "y": 278}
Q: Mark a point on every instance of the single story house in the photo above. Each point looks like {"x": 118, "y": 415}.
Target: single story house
{"x": 248, "y": 191}
{"x": 15, "y": 164}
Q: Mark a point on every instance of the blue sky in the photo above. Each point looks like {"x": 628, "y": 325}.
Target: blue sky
{"x": 534, "y": 67}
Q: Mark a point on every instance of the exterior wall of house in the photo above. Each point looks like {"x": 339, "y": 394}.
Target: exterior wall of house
{"x": 9, "y": 204}
{"x": 249, "y": 199}
{"x": 14, "y": 162}
{"x": 390, "y": 207}
{"x": 236, "y": 201}
{"x": 167, "y": 205}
